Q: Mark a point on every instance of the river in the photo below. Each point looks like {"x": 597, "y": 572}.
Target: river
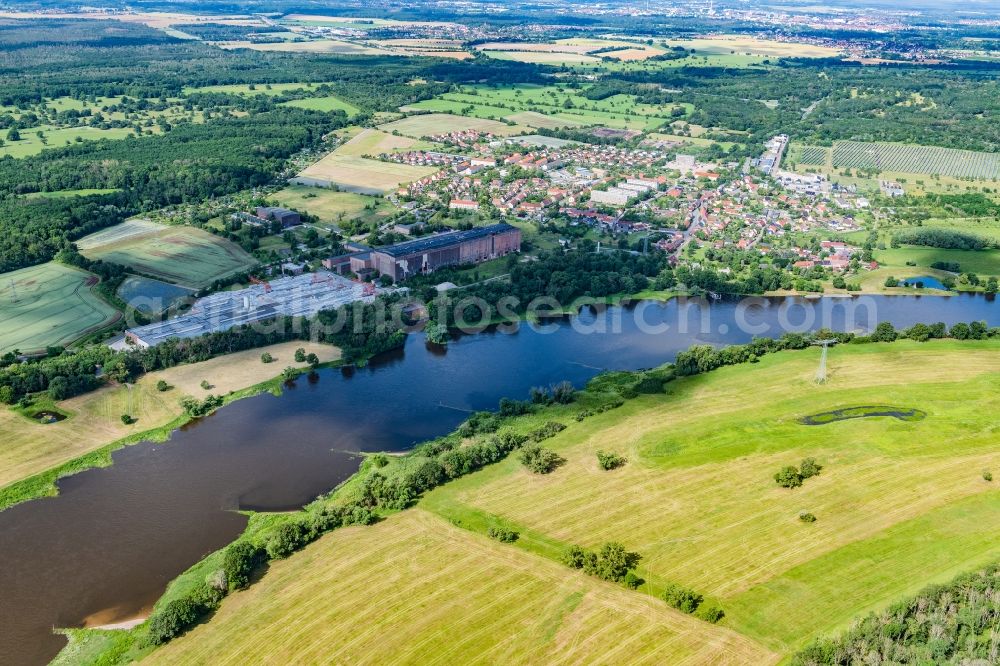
{"x": 106, "y": 547}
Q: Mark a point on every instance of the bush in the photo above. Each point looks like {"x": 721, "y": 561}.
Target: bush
{"x": 809, "y": 468}
{"x": 682, "y": 598}
{"x": 609, "y": 460}
{"x": 788, "y": 477}
{"x": 127, "y": 419}
{"x": 612, "y": 562}
{"x": 563, "y": 393}
{"x": 510, "y": 407}
{"x": 502, "y": 534}
{"x": 710, "y": 613}
{"x": 205, "y": 385}
{"x": 380, "y": 460}
{"x": 987, "y": 475}
{"x": 239, "y": 562}
{"x": 162, "y": 386}
{"x": 312, "y": 360}
{"x": 538, "y": 459}
{"x": 173, "y": 620}
{"x": 285, "y": 540}
{"x": 807, "y": 517}
{"x": 632, "y": 581}
{"x": 575, "y": 557}
{"x": 266, "y": 358}
{"x": 550, "y": 429}
{"x": 300, "y": 355}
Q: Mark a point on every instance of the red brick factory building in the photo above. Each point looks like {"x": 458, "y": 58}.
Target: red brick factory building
{"x": 424, "y": 255}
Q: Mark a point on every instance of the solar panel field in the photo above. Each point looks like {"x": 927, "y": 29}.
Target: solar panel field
{"x": 904, "y": 158}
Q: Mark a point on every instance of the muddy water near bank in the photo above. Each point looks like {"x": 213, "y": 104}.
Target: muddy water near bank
{"x": 111, "y": 541}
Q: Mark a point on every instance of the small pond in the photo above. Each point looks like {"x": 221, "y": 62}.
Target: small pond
{"x": 924, "y": 282}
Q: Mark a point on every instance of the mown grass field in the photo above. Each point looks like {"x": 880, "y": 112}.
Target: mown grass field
{"x": 270, "y": 89}
{"x": 332, "y": 206}
{"x": 182, "y": 255}
{"x": 361, "y": 175}
{"x": 900, "y": 504}
{"x": 327, "y": 103}
{"x": 415, "y": 589}
{"x": 430, "y": 124}
{"x": 552, "y": 107}
{"x": 29, "y": 447}
{"x": 68, "y": 194}
{"x": 48, "y": 305}
{"x": 698, "y": 501}
{"x": 981, "y": 262}
{"x": 740, "y": 45}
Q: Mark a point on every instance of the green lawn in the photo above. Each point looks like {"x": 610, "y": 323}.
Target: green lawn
{"x": 981, "y": 262}
{"x": 331, "y": 206}
{"x": 328, "y": 103}
{"x": 32, "y": 144}
{"x": 66, "y": 194}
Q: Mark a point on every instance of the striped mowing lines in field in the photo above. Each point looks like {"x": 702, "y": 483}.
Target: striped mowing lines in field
{"x": 49, "y": 305}
{"x": 904, "y": 158}
{"x": 698, "y": 499}
{"x": 416, "y": 590}
{"x": 179, "y": 254}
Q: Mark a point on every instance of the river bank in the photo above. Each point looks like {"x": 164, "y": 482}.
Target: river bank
{"x": 599, "y": 396}
{"x": 37, "y": 454}
{"x": 164, "y": 507}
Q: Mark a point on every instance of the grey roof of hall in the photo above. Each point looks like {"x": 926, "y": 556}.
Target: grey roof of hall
{"x": 443, "y": 240}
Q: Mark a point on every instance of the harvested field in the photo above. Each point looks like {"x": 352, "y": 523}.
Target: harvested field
{"x": 360, "y": 175}
{"x": 448, "y": 595}
{"x": 430, "y": 124}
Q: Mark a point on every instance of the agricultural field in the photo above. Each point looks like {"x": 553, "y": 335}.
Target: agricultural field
{"x": 315, "y": 46}
{"x": 375, "y": 142}
{"x": 49, "y": 305}
{"x": 543, "y": 57}
{"x": 751, "y": 46}
{"x": 921, "y": 169}
{"x": 553, "y": 107}
{"x": 430, "y": 124}
{"x": 360, "y": 175}
{"x": 808, "y": 155}
{"x": 94, "y": 418}
{"x": 897, "y": 157}
{"x": 444, "y": 594}
{"x": 697, "y": 498}
{"x": 348, "y": 169}
{"x": 578, "y": 50}
{"x": 332, "y": 206}
{"x": 181, "y": 255}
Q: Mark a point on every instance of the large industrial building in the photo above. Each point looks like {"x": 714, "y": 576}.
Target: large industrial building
{"x": 300, "y": 296}
{"x": 425, "y": 255}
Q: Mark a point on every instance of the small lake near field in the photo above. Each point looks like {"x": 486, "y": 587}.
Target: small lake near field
{"x": 107, "y": 546}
